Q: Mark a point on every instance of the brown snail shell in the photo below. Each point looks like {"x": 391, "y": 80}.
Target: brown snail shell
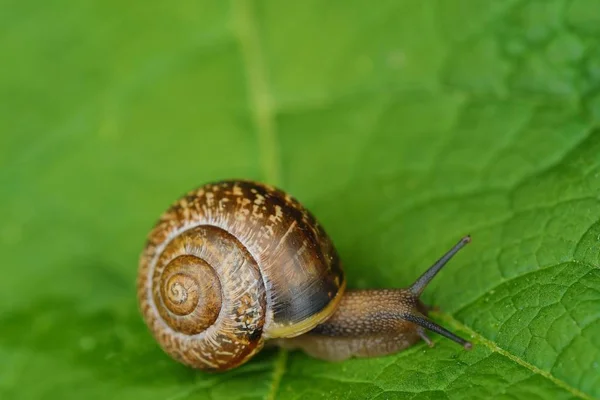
{"x": 231, "y": 265}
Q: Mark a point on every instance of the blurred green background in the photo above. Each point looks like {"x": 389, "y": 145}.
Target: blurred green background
{"x": 402, "y": 125}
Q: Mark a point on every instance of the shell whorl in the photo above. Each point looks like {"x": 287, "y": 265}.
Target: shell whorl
{"x": 190, "y": 292}
{"x": 230, "y": 265}
{"x": 207, "y": 307}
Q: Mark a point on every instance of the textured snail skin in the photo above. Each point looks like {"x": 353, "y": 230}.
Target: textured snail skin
{"x": 367, "y": 323}
{"x": 231, "y": 265}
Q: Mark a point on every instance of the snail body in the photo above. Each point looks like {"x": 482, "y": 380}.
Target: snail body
{"x": 236, "y": 263}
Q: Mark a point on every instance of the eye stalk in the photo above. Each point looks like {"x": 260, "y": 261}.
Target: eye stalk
{"x": 420, "y": 284}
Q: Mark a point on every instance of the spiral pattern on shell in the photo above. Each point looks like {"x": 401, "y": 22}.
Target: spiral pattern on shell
{"x": 208, "y": 325}
{"x": 233, "y": 264}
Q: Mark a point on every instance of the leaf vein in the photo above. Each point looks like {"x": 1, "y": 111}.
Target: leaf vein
{"x": 261, "y": 103}
{"x": 278, "y": 372}
{"x": 497, "y": 349}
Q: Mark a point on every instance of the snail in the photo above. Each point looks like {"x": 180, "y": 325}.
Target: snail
{"x": 237, "y": 263}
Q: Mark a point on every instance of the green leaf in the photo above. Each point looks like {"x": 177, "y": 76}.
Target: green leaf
{"x": 402, "y": 125}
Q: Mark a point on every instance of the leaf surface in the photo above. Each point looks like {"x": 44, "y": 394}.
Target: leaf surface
{"x": 402, "y": 125}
